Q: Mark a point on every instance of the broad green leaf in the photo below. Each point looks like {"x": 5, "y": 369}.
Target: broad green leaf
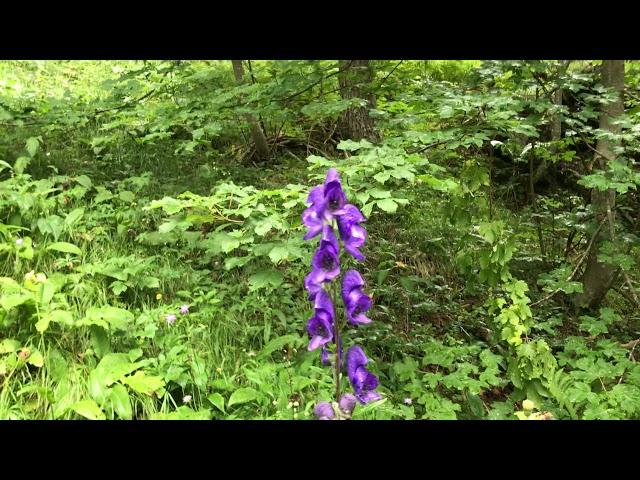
{"x": 32, "y": 146}
{"x": 120, "y": 402}
{"x": 88, "y": 409}
{"x": 265, "y": 278}
{"x": 143, "y": 383}
{"x": 36, "y": 359}
{"x": 242, "y": 395}
{"x": 106, "y": 317}
{"x": 8, "y": 345}
{"x": 388, "y": 205}
{"x": 65, "y": 248}
{"x": 73, "y": 217}
{"x": 46, "y": 291}
{"x": 217, "y": 400}
{"x": 127, "y": 196}
{"x": 84, "y": 181}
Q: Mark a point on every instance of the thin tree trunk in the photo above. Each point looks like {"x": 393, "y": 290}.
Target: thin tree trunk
{"x": 257, "y": 134}
{"x": 598, "y": 276}
{"x": 556, "y": 125}
{"x": 355, "y": 78}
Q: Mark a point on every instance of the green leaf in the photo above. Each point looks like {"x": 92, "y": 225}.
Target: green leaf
{"x": 121, "y": 402}
{"x": 32, "y": 146}
{"x": 264, "y": 279}
{"x": 8, "y": 345}
{"x": 388, "y": 205}
{"x": 88, "y": 409}
{"x": 21, "y": 164}
{"x": 377, "y": 193}
{"x": 217, "y": 400}
{"x": 143, "y": 383}
{"x": 382, "y": 176}
{"x": 84, "y": 181}
{"x": 127, "y": 196}
{"x": 46, "y": 291}
{"x": 36, "y": 359}
{"x": 106, "y": 317}
{"x": 243, "y": 395}
{"x": 65, "y": 248}
{"x": 100, "y": 341}
{"x": 73, "y": 216}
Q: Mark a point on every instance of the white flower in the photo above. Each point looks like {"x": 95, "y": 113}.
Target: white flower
{"x": 187, "y": 398}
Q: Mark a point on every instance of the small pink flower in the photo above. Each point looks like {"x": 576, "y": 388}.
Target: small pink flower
{"x": 408, "y": 401}
{"x": 184, "y": 309}
{"x": 171, "y": 318}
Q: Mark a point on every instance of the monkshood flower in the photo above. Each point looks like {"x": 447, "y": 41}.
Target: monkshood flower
{"x": 184, "y": 309}
{"x": 364, "y": 382}
{"x": 355, "y": 301}
{"x": 348, "y": 403}
{"x": 325, "y": 263}
{"x": 320, "y": 326}
{"x": 336, "y": 411}
{"x": 326, "y": 202}
{"x": 324, "y": 411}
{"x": 327, "y": 209}
{"x": 352, "y": 233}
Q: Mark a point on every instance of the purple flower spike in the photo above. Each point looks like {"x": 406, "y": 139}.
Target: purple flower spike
{"x": 184, "y": 309}
{"x": 320, "y": 326}
{"x": 324, "y": 411}
{"x": 347, "y": 403}
{"x": 364, "y": 382}
{"x": 356, "y": 302}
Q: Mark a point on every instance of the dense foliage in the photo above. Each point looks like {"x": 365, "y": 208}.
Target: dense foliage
{"x": 153, "y": 260}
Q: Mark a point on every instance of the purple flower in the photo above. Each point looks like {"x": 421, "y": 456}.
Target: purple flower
{"x": 320, "y": 326}
{"x": 364, "y": 382}
{"x": 311, "y": 285}
{"x": 184, "y": 309}
{"x": 347, "y": 403}
{"x": 312, "y": 217}
{"x": 356, "y": 302}
{"x": 326, "y": 202}
{"x": 353, "y": 235}
{"x": 324, "y": 355}
{"x": 171, "y": 318}
{"x": 334, "y": 196}
{"x": 325, "y": 262}
{"x": 324, "y": 411}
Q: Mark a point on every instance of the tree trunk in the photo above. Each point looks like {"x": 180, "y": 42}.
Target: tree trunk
{"x": 257, "y": 134}
{"x": 598, "y": 277}
{"x": 355, "y": 78}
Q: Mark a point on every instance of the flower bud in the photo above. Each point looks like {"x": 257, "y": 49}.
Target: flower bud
{"x": 348, "y": 403}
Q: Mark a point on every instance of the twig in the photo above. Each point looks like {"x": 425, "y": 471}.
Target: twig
{"x": 389, "y": 74}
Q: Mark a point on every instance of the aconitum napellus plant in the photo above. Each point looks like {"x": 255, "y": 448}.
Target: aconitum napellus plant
{"x": 327, "y": 213}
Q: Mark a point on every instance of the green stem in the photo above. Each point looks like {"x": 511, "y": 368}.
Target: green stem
{"x": 336, "y": 336}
